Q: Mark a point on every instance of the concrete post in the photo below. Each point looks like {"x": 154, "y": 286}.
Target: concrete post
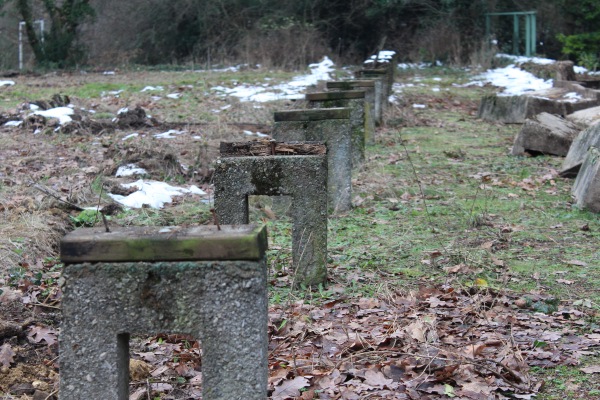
{"x": 359, "y": 119}
{"x": 368, "y": 86}
{"x": 200, "y": 281}
{"x": 304, "y": 178}
{"x": 331, "y": 126}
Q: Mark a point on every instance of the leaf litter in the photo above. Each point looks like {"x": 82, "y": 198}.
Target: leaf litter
{"x": 474, "y": 343}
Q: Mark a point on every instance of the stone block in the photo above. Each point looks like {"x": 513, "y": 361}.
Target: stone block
{"x": 555, "y": 100}
{"x": 383, "y": 73}
{"x": 109, "y": 294}
{"x": 585, "y": 117}
{"x": 359, "y": 118}
{"x": 546, "y": 134}
{"x": 577, "y": 152}
{"x": 304, "y": 179}
{"x": 372, "y": 108}
{"x": 586, "y": 188}
{"x": 332, "y": 126}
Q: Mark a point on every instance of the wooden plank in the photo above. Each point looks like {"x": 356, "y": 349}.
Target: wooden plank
{"x": 315, "y": 114}
{"x": 350, "y": 84}
{"x": 339, "y": 95}
{"x": 271, "y": 148}
{"x": 174, "y": 243}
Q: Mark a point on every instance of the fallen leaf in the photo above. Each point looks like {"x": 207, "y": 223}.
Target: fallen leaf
{"x": 565, "y": 281}
{"x": 6, "y": 355}
{"x": 577, "y": 263}
{"x": 290, "y": 388}
{"x": 377, "y": 379}
{"x": 481, "y": 282}
{"x": 592, "y": 369}
{"x": 39, "y": 333}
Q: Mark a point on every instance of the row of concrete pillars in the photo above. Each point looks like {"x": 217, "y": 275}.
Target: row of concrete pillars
{"x": 210, "y": 281}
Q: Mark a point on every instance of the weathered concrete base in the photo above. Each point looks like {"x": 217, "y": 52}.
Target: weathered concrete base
{"x": 368, "y": 86}
{"x": 586, "y": 117}
{"x": 586, "y": 188}
{"x": 516, "y": 109}
{"x": 577, "y": 152}
{"x": 223, "y": 303}
{"x": 359, "y": 118}
{"x": 331, "y": 126}
{"x": 546, "y": 134}
{"x": 304, "y": 178}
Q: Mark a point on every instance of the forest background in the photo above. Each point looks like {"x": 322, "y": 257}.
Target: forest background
{"x": 283, "y": 33}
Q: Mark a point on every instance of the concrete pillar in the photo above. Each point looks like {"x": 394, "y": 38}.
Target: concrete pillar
{"x": 304, "y": 178}
{"x": 372, "y": 108}
{"x": 331, "y": 126}
{"x": 202, "y": 281}
{"x": 359, "y": 119}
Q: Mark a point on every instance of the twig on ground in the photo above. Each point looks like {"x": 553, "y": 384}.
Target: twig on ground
{"x": 51, "y": 193}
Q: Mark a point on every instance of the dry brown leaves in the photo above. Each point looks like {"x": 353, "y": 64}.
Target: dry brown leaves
{"x": 436, "y": 342}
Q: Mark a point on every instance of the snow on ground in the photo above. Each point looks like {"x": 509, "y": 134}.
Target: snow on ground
{"x": 13, "y": 123}
{"x": 290, "y": 90}
{"x": 523, "y": 59}
{"x": 63, "y": 114}
{"x": 153, "y": 193}
{"x": 7, "y": 83}
{"x": 129, "y": 170}
{"x": 168, "y": 134}
{"x": 382, "y": 56}
{"x": 514, "y": 80}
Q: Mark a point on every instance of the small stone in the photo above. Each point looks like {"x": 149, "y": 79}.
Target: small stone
{"x": 41, "y": 395}
{"x": 21, "y": 389}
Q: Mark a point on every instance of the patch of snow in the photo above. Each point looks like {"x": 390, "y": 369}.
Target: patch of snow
{"x": 13, "y": 123}
{"x": 7, "y": 83}
{"x": 109, "y": 73}
{"x": 382, "y": 56}
{"x": 168, "y": 134}
{"x": 174, "y": 95}
{"x": 61, "y": 113}
{"x": 129, "y": 170}
{"x": 34, "y": 107}
{"x": 153, "y": 193}
{"x": 523, "y": 59}
{"x": 122, "y": 111}
{"x": 572, "y": 97}
{"x": 259, "y": 134}
{"x": 291, "y": 90}
{"x": 152, "y": 88}
{"x": 196, "y": 190}
{"x": 437, "y": 79}
{"x": 435, "y": 89}
{"x": 514, "y": 80}
{"x": 419, "y": 106}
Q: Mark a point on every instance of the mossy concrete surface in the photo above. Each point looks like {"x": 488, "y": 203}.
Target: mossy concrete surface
{"x": 304, "y": 178}
{"x": 174, "y": 243}
{"x": 359, "y": 118}
{"x": 223, "y": 303}
{"x": 292, "y": 126}
{"x": 586, "y": 188}
{"x": 368, "y": 86}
